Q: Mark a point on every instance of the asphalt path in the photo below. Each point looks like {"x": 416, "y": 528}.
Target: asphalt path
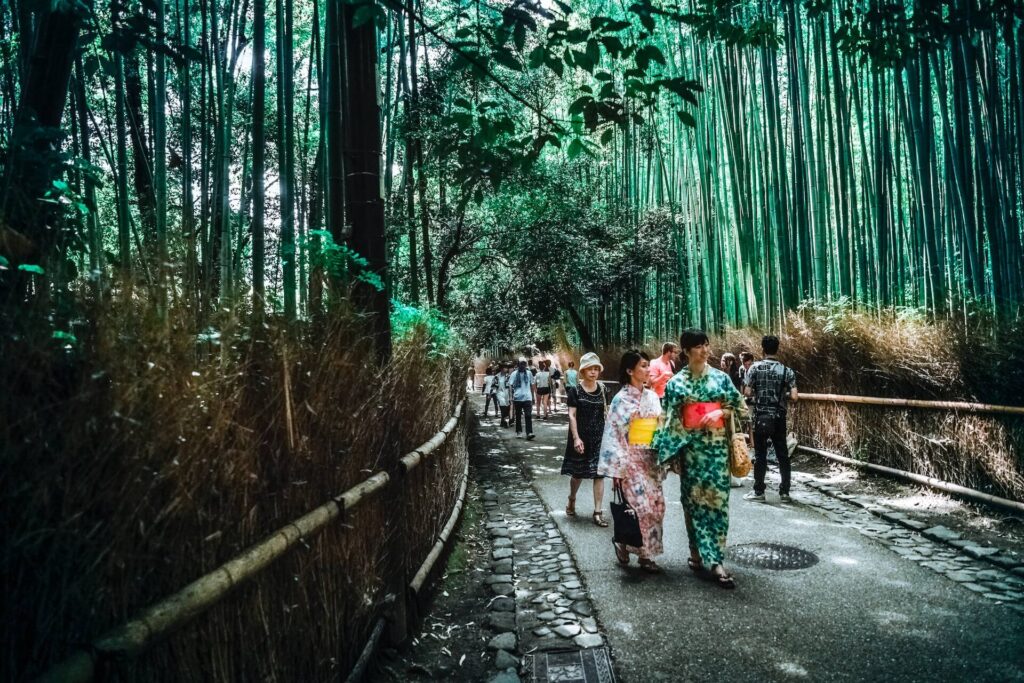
{"x": 862, "y": 613}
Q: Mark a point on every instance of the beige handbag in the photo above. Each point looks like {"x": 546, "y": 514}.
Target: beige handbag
{"x": 739, "y": 453}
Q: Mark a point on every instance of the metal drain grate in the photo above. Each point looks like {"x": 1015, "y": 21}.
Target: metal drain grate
{"x": 593, "y": 665}
{"x": 772, "y": 556}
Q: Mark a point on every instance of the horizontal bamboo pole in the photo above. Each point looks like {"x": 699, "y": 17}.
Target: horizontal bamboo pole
{"x": 956, "y": 489}
{"x": 914, "y": 403}
{"x": 428, "y": 564}
{"x": 157, "y": 621}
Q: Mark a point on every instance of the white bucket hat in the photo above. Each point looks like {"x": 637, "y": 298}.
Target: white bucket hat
{"x": 590, "y": 359}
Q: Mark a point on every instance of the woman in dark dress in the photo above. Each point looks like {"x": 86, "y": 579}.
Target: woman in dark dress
{"x": 587, "y": 409}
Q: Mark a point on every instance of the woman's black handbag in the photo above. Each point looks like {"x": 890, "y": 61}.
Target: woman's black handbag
{"x": 626, "y": 523}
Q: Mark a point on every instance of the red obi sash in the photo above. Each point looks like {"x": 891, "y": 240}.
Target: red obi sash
{"x": 692, "y": 413}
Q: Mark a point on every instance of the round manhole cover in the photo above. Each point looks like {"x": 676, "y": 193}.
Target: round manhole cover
{"x": 772, "y": 556}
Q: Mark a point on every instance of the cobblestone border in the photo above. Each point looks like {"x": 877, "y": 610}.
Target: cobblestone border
{"x": 980, "y": 569}
{"x": 538, "y": 599}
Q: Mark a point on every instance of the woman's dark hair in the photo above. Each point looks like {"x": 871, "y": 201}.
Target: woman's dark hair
{"x": 630, "y": 359}
{"x": 770, "y": 344}
{"x": 692, "y": 337}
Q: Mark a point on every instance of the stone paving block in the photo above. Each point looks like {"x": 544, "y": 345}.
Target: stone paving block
{"x": 586, "y": 640}
{"x": 941, "y": 533}
{"x": 503, "y": 641}
{"x": 503, "y": 604}
{"x": 503, "y": 660}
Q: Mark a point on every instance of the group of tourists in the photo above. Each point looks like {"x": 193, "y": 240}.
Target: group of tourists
{"x": 669, "y": 416}
{"x": 515, "y": 389}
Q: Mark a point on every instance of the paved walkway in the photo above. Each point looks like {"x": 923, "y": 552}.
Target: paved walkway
{"x": 882, "y": 603}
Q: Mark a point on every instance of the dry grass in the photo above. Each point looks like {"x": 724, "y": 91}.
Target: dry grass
{"x": 844, "y": 352}
{"x": 138, "y": 462}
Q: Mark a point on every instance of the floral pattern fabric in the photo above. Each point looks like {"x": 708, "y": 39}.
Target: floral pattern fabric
{"x": 636, "y": 466}
{"x": 705, "y": 458}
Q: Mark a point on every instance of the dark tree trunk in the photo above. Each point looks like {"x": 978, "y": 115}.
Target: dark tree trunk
{"x": 362, "y": 157}
{"x": 33, "y": 157}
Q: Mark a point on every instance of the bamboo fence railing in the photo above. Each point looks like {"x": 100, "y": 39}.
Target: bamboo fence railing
{"x": 914, "y": 403}
{"x": 157, "y": 621}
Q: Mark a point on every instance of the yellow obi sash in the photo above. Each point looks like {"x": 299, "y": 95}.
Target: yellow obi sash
{"x": 641, "y": 430}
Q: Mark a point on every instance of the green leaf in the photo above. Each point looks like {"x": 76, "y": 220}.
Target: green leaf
{"x": 575, "y": 148}
{"x": 687, "y": 118}
{"x": 607, "y": 135}
{"x": 612, "y": 44}
{"x": 537, "y": 57}
{"x": 505, "y": 57}
{"x": 581, "y": 102}
{"x": 65, "y": 337}
{"x": 28, "y": 268}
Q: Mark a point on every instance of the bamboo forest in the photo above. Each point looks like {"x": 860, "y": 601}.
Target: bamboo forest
{"x": 249, "y": 248}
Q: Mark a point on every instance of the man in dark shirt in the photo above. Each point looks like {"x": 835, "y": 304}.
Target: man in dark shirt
{"x": 772, "y": 385}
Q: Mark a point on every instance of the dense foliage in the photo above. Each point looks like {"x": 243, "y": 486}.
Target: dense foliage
{"x": 720, "y": 160}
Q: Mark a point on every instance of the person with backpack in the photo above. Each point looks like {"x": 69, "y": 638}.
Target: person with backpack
{"x": 521, "y": 383}
{"x": 556, "y": 382}
{"x": 772, "y": 386}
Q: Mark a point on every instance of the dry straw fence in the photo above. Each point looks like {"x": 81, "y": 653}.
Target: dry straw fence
{"x": 939, "y": 394}
{"x": 416, "y": 486}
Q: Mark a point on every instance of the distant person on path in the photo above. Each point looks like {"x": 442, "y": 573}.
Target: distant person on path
{"x": 634, "y": 466}
{"x": 587, "y": 408}
{"x": 556, "y": 381}
{"x": 731, "y": 367}
{"x": 773, "y": 386}
{"x": 698, "y": 402}
{"x": 746, "y": 360}
{"x": 661, "y": 368}
{"x": 502, "y": 379}
{"x": 542, "y": 381}
{"x": 522, "y": 398}
{"x": 490, "y": 390}
{"x": 571, "y": 377}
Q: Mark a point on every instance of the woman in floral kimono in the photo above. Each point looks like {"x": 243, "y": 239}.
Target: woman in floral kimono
{"x": 634, "y": 467}
{"x": 698, "y": 402}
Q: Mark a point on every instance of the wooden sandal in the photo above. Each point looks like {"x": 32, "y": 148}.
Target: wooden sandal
{"x": 599, "y": 519}
{"x": 725, "y": 581}
{"x": 651, "y": 567}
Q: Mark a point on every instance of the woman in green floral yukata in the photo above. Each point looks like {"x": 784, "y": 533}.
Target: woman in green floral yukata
{"x": 698, "y": 402}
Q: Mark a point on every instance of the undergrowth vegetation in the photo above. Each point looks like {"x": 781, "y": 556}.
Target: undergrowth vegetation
{"x": 902, "y": 354}
{"x": 139, "y": 456}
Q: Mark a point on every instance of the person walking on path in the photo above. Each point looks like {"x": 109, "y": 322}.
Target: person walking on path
{"x": 731, "y": 367}
{"x": 632, "y": 464}
{"x": 587, "y": 409}
{"x": 542, "y": 381}
{"x": 556, "y": 381}
{"x": 698, "y": 402}
{"x": 661, "y": 368}
{"x": 772, "y": 386}
{"x": 504, "y": 393}
{"x": 571, "y": 377}
{"x": 491, "y": 390}
{"x": 522, "y": 398}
